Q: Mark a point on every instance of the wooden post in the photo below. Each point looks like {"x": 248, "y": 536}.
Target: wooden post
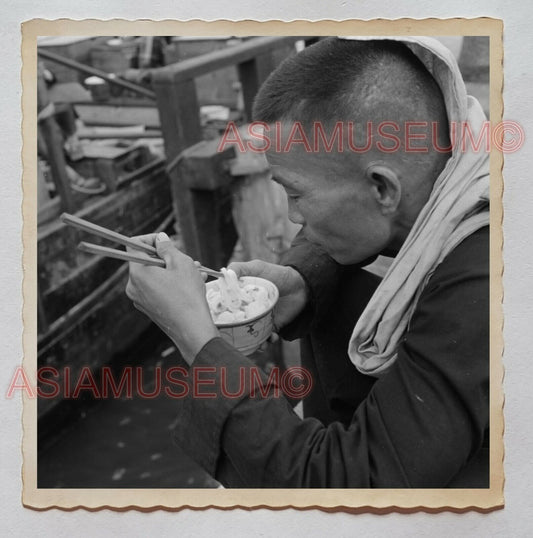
{"x": 252, "y": 74}
{"x": 178, "y": 111}
{"x": 207, "y": 197}
{"x": 180, "y": 123}
{"x": 54, "y": 148}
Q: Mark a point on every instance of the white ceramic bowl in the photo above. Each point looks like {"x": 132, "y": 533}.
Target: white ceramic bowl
{"x": 249, "y": 334}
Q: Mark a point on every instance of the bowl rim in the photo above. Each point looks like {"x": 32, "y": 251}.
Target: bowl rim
{"x": 258, "y": 316}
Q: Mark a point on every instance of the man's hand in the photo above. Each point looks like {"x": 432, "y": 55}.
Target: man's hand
{"x": 293, "y": 294}
{"x": 174, "y": 297}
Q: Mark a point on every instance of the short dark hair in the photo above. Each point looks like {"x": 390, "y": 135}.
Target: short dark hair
{"x": 335, "y": 78}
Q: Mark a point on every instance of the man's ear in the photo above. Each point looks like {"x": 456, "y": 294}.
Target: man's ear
{"x": 386, "y": 186}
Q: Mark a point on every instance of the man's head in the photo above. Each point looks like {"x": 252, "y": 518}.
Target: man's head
{"x": 355, "y": 203}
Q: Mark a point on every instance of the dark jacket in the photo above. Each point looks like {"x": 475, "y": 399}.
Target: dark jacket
{"x": 424, "y": 424}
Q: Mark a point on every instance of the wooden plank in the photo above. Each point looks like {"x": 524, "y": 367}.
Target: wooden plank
{"x": 95, "y": 133}
{"x": 112, "y": 115}
{"x": 195, "y": 67}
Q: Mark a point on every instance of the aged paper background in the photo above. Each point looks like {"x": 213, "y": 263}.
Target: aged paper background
{"x": 514, "y": 519}
{"x": 331, "y": 499}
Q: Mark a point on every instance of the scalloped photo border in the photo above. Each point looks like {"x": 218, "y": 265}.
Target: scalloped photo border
{"x": 350, "y": 500}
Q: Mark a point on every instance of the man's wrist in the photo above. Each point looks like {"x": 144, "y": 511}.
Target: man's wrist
{"x": 192, "y": 343}
{"x": 302, "y": 290}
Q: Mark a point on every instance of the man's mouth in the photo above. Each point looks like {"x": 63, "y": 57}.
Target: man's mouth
{"x": 314, "y": 241}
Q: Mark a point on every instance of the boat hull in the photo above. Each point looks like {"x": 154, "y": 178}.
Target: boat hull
{"x": 85, "y": 317}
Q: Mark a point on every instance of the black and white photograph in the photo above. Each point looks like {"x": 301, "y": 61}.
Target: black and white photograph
{"x": 262, "y": 263}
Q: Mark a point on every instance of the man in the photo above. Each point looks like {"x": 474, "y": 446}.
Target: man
{"x": 400, "y": 369}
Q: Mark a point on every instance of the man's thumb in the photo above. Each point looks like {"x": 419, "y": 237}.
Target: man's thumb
{"x": 253, "y": 268}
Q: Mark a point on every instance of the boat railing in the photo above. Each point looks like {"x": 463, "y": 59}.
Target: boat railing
{"x": 175, "y": 85}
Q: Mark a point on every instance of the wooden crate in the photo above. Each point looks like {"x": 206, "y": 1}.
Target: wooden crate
{"x": 109, "y": 163}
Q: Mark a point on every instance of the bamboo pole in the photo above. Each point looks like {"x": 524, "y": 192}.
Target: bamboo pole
{"x": 95, "y": 72}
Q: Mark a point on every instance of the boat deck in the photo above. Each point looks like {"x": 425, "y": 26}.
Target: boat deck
{"x": 127, "y": 443}
{"x": 120, "y": 442}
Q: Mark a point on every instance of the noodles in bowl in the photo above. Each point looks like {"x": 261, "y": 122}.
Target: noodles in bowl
{"x": 242, "y": 309}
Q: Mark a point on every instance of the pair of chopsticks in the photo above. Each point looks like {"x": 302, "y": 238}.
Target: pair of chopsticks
{"x": 100, "y": 231}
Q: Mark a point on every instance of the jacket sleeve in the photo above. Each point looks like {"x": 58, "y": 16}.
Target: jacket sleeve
{"x": 419, "y": 426}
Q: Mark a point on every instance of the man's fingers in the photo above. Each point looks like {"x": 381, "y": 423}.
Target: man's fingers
{"x": 130, "y": 290}
{"x": 273, "y": 338}
{"x": 148, "y": 239}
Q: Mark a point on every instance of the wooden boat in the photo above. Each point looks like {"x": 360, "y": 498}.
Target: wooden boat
{"x": 84, "y": 316}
